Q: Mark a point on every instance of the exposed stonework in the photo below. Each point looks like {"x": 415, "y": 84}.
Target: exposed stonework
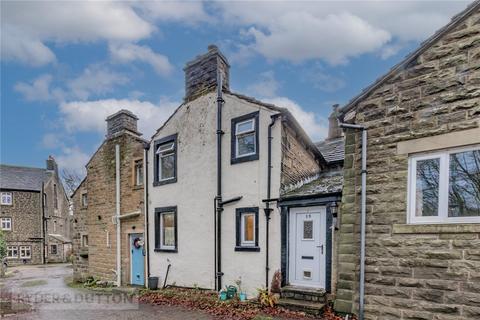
{"x": 298, "y": 164}
{"x": 95, "y": 220}
{"x": 201, "y": 73}
{"x": 26, "y": 215}
{"x": 412, "y": 272}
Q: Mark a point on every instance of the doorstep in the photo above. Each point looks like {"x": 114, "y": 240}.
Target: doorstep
{"x": 306, "y": 299}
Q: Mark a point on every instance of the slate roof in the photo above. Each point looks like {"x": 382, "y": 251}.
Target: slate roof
{"x": 328, "y": 182}
{"x": 22, "y": 178}
{"x": 332, "y": 150}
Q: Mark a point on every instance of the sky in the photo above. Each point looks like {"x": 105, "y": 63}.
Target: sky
{"x": 67, "y": 65}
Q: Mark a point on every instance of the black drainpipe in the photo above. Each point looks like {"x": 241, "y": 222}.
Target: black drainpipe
{"x": 267, "y": 209}
{"x": 218, "y": 198}
{"x": 146, "y": 147}
{"x": 44, "y": 220}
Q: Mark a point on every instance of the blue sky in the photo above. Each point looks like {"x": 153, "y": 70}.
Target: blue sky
{"x": 67, "y": 65}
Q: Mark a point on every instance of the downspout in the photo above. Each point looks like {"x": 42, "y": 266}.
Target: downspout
{"x": 363, "y": 214}
{"x": 267, "y": 209}
{"x": 44, "y": 221}
{"x": 218, "y": 198}
{"x": 146, "y": 147}
{"x": 117, "y": 213}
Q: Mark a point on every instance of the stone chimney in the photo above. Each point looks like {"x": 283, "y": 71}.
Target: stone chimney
{"x": 52, "y": 165}
{"x": 122, "y": 120}
{"x": 201, "y": 73}
{"x": 334, "y": 130}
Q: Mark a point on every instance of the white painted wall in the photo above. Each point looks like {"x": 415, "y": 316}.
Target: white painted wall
{"x": 195, "y": 190}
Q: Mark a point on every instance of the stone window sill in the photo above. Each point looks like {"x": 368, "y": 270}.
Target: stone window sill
{"x": 435, "y": 228}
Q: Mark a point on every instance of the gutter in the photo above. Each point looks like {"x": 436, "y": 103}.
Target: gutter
{"x": 44, "y": 222}
{"x": 363, "y": 214}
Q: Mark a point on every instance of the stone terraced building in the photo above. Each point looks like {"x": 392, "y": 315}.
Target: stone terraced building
{"x": 423, "y": 184}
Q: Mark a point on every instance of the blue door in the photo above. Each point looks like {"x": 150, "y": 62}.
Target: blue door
{"x": 137, "y": 276}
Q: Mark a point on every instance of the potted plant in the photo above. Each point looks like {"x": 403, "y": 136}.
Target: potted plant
{"x": 242, "y": 295}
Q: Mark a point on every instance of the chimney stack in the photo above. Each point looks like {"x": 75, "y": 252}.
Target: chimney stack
{"x": 201, "y": 73}
{"x": 52, "y": 165}
{"x": 334, "y": 130}
{"x": 120, "y": 121}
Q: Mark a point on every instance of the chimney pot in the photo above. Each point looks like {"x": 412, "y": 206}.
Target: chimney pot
{"x": 334, "y": 130}
{"x": 201, "y": 73}
{"x": 120, "y": 121}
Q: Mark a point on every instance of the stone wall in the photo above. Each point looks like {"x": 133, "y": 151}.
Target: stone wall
{"x": 100, "y": 188}
{"x": 412, "y": 272}
{"x": 26, "y": 214}
{"x": 80, "y": 252}
{"x": 298, "y": 164}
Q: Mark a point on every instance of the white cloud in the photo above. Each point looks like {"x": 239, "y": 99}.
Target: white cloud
{"x": 95, "y": 80}
{"x": 333, "y": 31}
{"x": 51, "y": 141}
{"x": 37, "y": 90}
{"x": 315, "y": 126}
{"x": 28, "y": 25}
{"x": 73, "y": 159}
{"x": 322, "y": 80}
{"x": 183, "y": 11}
{"x": 88, "y": 116}
{"x": 266, "y": 86}
{"x": 128, "y": 52}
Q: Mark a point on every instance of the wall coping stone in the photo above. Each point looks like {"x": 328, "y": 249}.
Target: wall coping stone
{"x": 435, "y": 228}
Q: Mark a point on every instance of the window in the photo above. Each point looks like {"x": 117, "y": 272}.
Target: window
{"x": 308, "y": 230}
{"x": 444, "y": 187}
{"x": 25, "y": 252}
{"x": 54, "y": 226}
{"x": 165, "y": 160}
{"x": 247, "y": 229}
{"x": 166, "y": 229}
{"x": 6, "y": 224}
{"x": 12, "y": 252}
{"x": 53, "y": 249}
{"x": 84, "y": 200}
{"x": 55, "y": 200}
{"x": 245, "y": 142}
{"x": 6, "y": 198}
{"x": 138, "y": 172}
{"x": 84, "y": 240}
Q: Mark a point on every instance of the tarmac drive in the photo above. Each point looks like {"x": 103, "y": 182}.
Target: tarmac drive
{"x": 42, "y": 289}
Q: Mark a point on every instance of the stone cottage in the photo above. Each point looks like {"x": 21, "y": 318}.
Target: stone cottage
{"x": 217, "y": 171}
{"x": 422, "y": 234}
{"x": 34, "y": 214}
{"x": 108, "y": 207}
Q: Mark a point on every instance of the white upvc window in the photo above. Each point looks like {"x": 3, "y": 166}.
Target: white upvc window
{"x": 25, "y": 252}
{"x": 84, "y": 200}
{"x": 245, "y": 138}
{"x": 6, "y": 198}
{"x": 12, "y": 252}
{"x": 444, "y": 186}
{"x": 6, "y": 224}
{"x": 248, "y": 230}
{"x": 138, "y": 166}
{"x": 167, "y": 230}
{"x": 166, "y": 161}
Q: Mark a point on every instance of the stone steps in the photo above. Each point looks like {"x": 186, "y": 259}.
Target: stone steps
{"x": 304, "y": 294}
{"x": 313, "y": 308}
{"x": 305, "y": 299}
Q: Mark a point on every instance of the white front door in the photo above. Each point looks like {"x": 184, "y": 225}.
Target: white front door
{"x": 307, "y": 246}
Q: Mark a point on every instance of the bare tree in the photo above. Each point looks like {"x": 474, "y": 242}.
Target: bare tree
{"x": 71, "y": 180}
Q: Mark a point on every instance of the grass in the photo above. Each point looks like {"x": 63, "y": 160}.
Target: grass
{"x": 81, "y": 286}
{"x": 33, "y": 283}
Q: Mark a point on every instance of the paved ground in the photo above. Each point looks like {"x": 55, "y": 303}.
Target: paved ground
{"x": 43, "y": 289}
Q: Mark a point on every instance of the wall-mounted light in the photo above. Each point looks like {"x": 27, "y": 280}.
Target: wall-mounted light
{"x": 334, "y": 208}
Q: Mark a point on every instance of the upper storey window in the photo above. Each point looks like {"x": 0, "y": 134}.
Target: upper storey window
{"x": 6, "y": 198}
{"x": 245, "y": 138}
{"x": 444, "y": 186}
{"x": 165, "y": 160}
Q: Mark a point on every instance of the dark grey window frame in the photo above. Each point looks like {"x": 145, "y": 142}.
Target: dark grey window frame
{"x": 156, "y": 179}
{"x": 158, "y": 213}
{"x": 238, "y": 227}
{"x": 233, "y": 146}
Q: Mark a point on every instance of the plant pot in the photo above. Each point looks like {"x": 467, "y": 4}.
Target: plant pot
{"x": 243, "y": 296}
{"x": 223, "y": 296}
